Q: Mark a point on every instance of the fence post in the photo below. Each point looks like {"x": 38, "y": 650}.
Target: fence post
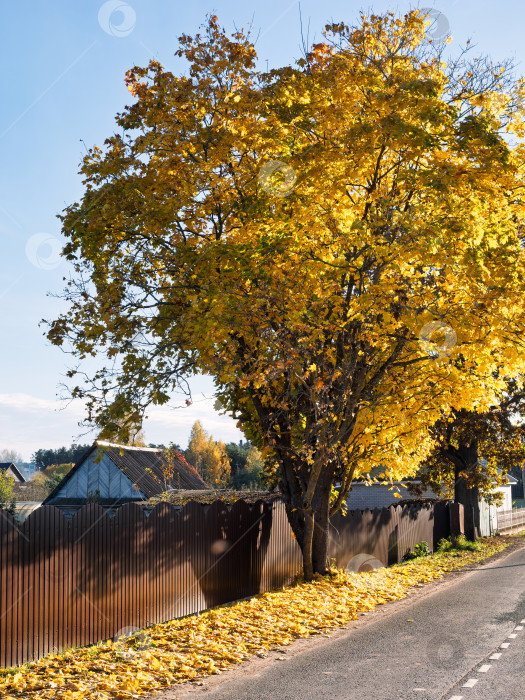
{"x": 457, "y": 519}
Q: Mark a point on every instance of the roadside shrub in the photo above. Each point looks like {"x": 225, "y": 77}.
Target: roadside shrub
{"x": 7, "y": 497}
{"x": 458, "y": 543}
{"x": 420, "y": 550}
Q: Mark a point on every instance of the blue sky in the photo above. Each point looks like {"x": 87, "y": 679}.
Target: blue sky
{"x": 62, "y": 83}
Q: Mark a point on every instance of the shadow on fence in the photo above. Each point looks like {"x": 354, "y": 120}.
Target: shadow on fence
{"x": 72, "y": 583}
{"x": 384, "y": 534}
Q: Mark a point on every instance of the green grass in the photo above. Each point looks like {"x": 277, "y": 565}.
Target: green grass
{"x": 458, "y": 543}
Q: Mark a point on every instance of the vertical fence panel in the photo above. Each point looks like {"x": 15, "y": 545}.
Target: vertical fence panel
{"x": 166, "y": 559}
{"x": 43, "y": 609}
{"x": 151, "y": 564}
{"x": 141, "y": 582}
{"x": 4, "y": 562}
{"x": 106, "y": 576}
{"x": 163, "y": 544}
{"x": 8, "y": 564}
{"x": 173, "y": 519}
{"x": 32, "y": 548}
{"x": 73, "y": 579}
{"x": 27, "y": 610}
{"x": 53, "y": 591}
{"x": 19, "y": 594}
{"x": 134, "y": 524}
{"x": 121, "y": 555}
{"x": 79, "y": 574}
{"x": 12, "y": 595}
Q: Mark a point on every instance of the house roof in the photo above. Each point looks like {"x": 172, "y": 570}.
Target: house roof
{"x": 143, "y": 466}
{"x": 375, "y": 472}
{"x": 4, "y": 466}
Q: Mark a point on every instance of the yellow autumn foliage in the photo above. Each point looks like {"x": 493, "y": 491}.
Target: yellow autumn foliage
{"x": 339, "y": 246}
{"x": 208, "y": 456}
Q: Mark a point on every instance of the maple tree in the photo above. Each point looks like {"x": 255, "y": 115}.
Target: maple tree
{"x": 124, "y": 426}
{"x": 338, "y": 243}
{"x": 473, "y": 452}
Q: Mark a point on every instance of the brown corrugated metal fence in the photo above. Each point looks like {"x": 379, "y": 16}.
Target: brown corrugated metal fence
{"x": 72, "y": 583}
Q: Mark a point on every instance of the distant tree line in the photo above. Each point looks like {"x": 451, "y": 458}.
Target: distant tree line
{"x": 62, "y": 455}
{"x": 13, "y": 456}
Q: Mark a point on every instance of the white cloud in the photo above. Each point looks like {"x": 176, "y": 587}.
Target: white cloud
{"x": 31, "y": 404}
{"x": 28, "y": 423}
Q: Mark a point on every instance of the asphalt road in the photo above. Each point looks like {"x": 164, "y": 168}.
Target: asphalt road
{"x": 437, "y": 646}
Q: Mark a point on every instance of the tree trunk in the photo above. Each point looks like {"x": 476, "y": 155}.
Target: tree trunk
{"x": 321, "y": 538}
{"x": 310, "y": 523}
{"x": 307, "y": 545}
{"x": 468, "y": 497}
{"x": 311, "y": 530}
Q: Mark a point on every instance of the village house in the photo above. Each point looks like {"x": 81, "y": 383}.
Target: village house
{"x": 112, "y": 475}
{"x": 10, "y": 469}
